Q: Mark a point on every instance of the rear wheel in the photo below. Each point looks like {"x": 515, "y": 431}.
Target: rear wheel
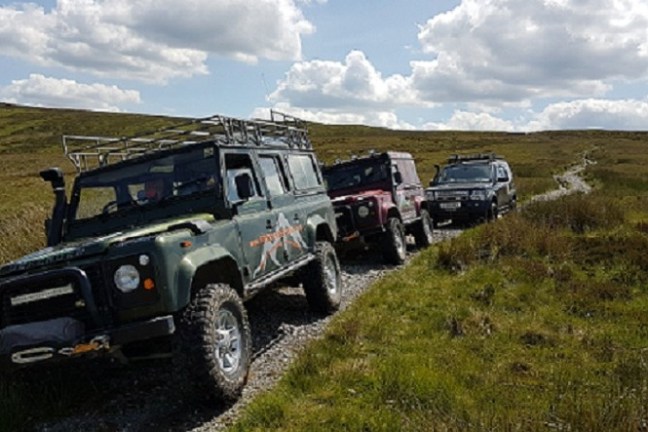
{"x": 216, "y": 343}
{"x": 322, "y": 280}
{"x": 423, "y": 230}
{"x": 394, "y": 246}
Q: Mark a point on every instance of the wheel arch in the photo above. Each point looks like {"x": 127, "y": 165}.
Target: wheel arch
{"x": 318, "y": 229}
{"x": 205, "y": 266}
{"x": 393, "y": 212}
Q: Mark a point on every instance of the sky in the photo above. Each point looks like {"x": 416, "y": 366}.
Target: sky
{"x": 491, "y": 65}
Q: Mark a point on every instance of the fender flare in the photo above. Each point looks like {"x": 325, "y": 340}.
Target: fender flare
{"x": 190, "y": 265}
{"x": 317, "y": 227}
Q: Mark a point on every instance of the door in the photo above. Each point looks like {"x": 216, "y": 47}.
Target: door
{"x": 255, "y": 221}
{"x": 408, "y": 190}
{"x": 288, "y": 210}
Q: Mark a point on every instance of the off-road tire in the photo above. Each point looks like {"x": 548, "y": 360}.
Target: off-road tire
{"x": 513, "y": 206}
{"x": 423, "y": 230}
{"x": 215, "y": 344}
{"x": 393, "y": 244}
{"x": 492, "y": 212}
{"x": 322, "y": 280}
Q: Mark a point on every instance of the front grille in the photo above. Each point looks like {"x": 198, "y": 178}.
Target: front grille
{"x": 453, "y": 195}
{"x": 43, "y": 297}
{"x": 100, "y": 293}
{"x": 344, "y": 220}
{"x": 367, "y": 222}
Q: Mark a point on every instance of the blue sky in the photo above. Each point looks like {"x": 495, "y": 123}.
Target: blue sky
{"x": 510, "y": 65}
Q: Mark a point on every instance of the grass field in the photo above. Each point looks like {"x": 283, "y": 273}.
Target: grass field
{"x": 533, "y": 322}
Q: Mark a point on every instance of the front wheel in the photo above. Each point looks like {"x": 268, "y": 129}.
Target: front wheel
{"x": 423, "y": 230}
{"x": 492, "y": 212}
{"x": 216, "y": 342}
{"x": 394, "y": 246}
{"x": 322, "y": 280}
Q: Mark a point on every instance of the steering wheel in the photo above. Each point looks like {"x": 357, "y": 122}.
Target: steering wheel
{"x": 109, "y": 205}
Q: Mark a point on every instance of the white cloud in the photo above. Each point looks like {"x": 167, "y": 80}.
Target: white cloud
{"x": 39, "y": 90}
{"x": 509, "y": 50}
{"x": 352, "y": 84}
{"x": 577, "y": 114}
{"x": 151, "y": 40}
{"x": 375, "y": 118}
{"x": 352, "y": 92}
{"x": 593, "y": 113}
{"x": 471, "y": 121}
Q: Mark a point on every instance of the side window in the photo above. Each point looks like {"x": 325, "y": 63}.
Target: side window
{"x": 238, "y": 165}
{"x": 96, "y": 200}
{"x": 502, "y": 173}
{"x": 272, "y": 175}
{"x": 304, "y": 173}
{"x": 407, "y": 169}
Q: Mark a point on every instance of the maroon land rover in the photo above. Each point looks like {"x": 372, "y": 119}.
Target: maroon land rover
{"x": 378, "y": 200}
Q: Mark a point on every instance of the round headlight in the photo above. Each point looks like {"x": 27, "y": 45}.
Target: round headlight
{"x": 127, "y": 278}
{"x": 363, "y": 211}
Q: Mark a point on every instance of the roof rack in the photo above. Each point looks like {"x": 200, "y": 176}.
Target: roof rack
{"x": 282, "y": 130}
{"x": 474, "y": 157}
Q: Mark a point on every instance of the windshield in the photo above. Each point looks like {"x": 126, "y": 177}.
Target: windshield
{"x": 465, "y": 174}
{"x": 142, "y": 185}
{"x": 358, "y": 174}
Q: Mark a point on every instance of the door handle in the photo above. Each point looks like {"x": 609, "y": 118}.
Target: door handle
{"x": 269, "y": 224}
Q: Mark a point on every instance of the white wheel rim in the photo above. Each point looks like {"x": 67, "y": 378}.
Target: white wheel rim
{"x": 228, "y": 345}
{"x": 330, "y": 274}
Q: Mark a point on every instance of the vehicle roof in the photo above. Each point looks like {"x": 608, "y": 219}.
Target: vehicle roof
{"x": 393, "y": 155}
{"x": 481, "y": 158}
{"x": 92, "y": 153}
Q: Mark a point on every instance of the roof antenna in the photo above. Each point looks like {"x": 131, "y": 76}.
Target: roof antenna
{"x": 265, "y": 86}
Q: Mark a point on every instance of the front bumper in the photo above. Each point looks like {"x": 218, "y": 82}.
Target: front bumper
{"x": 64, "y": 313}
{"x": 463, "y": 210}
{"x": 63, "y": 338}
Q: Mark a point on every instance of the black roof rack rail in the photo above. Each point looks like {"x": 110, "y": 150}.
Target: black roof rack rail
{"x": 282, "y": 130}
{"x": 474, "y": 157}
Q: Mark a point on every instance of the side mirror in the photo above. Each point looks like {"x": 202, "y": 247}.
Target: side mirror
{"x": 398, "y": 177}
{"x": 432, "y": 182}
{"x": 244, "y": 186}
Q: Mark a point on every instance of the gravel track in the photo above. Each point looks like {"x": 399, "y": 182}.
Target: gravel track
{"x": 139, "y": 398}
{"x": 569, "y": 182}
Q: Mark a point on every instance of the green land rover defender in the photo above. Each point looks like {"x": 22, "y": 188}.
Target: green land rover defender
{"x": 163, "y": 238}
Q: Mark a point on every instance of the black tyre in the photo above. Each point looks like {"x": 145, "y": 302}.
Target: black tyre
{"x": 423, "y": 230}
{"x": 514, "y": 204}
{"x": 216, "y": 343}
{"x": 322, "y": 280}
{"x": 394, "y": 246}
{"x": 492, "y": 212}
